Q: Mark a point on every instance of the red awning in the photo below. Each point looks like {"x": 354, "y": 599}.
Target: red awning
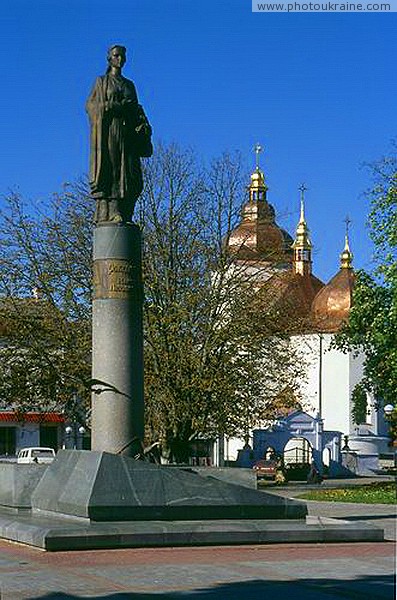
{"x": 31, "y": 417}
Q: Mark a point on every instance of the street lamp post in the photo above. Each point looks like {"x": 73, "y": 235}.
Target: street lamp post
{"x": 389, "y": 411}
{"x": 74, "y": 436}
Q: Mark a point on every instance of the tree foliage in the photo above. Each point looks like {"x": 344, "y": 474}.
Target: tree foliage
{"x": 360, "y": 404}
{"x": 212, "y": 362}
{"x": 45, "y": 288}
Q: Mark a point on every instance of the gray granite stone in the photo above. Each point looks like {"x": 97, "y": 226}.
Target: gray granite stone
{"x": 105, "y": 487}
{"x": 236, "y": 475}
{"x": 117, "y": 340}
{"x": 55, "y": 533}
{"x": 17, "y": 482}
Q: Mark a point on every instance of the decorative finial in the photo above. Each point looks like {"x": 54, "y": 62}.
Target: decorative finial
{"x": 347, "y": 222}
{"x": 257, "y": 149}
{"x": 257, "y": 187}
{"x": 302, "y": 245}
{"x": 346, "y": 256}
{"x": 302, "y": 188}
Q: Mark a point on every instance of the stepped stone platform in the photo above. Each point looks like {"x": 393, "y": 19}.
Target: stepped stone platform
{"x": 89, "y": 500}
{"x": 51, "y": 533}
{"x": 106, "y": 487}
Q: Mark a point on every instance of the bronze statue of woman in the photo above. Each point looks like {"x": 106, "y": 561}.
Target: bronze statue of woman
{"x": 120, "y": 135}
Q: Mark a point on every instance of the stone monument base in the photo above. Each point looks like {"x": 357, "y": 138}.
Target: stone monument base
{"x": 99, "y": 486}
{"x": 91, "y": 500}
{"x": 52, "y": 533}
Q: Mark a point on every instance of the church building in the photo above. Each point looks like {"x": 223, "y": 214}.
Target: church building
{"x": 311, "y": 311}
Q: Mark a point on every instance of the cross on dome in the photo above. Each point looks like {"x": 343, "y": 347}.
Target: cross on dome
{"x": 257, "y": 149}
{"x": 346, "y": 256}
{"x": 347, "y": 222}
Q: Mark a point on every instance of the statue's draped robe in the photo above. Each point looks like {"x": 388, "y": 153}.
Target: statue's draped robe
{"x": 115, "y": 169}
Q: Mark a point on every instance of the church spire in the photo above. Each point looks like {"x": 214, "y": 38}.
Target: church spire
{"x": 302, "y": 246}
{"x": 258, "y": 187}
{"x": 346, "y": 258}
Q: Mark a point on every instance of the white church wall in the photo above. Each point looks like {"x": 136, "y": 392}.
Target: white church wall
{"x": 328, "y": 379}
{"x": 307, "y": 347}
{"x": 336, "y": 388}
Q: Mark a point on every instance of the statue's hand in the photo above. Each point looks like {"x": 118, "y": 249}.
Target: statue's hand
{"x": 144, "y": 129}
{"x": 114, "y": 107}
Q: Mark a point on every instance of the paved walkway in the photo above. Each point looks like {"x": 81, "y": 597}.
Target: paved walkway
{"x": 360, "y": 571}
{"x": 305, "y": 572}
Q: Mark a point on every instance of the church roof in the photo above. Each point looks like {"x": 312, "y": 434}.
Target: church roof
{"x": 288, "y": 298}
{"x": 295, "y": 300}
{"x": 257, "y": 236}
{"x": 260, "y": 239}
{"x": 331, "y": 306}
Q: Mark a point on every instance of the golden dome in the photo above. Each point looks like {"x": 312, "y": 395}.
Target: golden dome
{"x": 331, "y": 306}
{"x": 346, "y": 258}
{"x": 257, "y": 236}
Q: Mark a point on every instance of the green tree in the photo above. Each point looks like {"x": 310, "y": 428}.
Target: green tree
{"x": 212, "y": 362}
{"x": 45, "y": 288}
{"x": 372, "y": 325}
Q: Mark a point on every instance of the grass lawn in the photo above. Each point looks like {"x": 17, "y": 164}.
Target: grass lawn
{"x": 374, "y": 493}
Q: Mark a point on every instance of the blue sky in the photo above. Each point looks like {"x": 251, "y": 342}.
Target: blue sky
{"x": 317, "y": 90}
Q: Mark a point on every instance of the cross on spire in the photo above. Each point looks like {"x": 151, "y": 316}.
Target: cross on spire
{"x": 347, "y": 222}
{"x": 302, "y": 188}
{"x": 346, "y": 256}
{"x": 257, "y": 149}
{"x": 302, "y": 245}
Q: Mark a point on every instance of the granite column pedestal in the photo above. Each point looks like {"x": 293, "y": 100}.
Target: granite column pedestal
{"x": 117, "y": 345}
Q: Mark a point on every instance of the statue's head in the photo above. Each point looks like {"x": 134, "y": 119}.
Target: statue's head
{"x": 116, "y": 56}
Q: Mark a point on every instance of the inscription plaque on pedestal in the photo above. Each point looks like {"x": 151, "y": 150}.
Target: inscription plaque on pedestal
{"x": 114, "y": 278}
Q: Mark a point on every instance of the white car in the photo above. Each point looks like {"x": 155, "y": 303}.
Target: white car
{"x": 35, "y": 455}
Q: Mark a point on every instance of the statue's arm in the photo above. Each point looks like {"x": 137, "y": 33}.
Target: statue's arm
{"x": 143, "y": 122}
{"x": 130, "y": 100}
{"x": 95, "y": 104}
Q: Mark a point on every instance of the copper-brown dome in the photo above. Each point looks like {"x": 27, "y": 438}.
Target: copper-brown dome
{"x": 331, "y": 306}
{"x": 288, "y": 297}
{"x": 258, "y": 237}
